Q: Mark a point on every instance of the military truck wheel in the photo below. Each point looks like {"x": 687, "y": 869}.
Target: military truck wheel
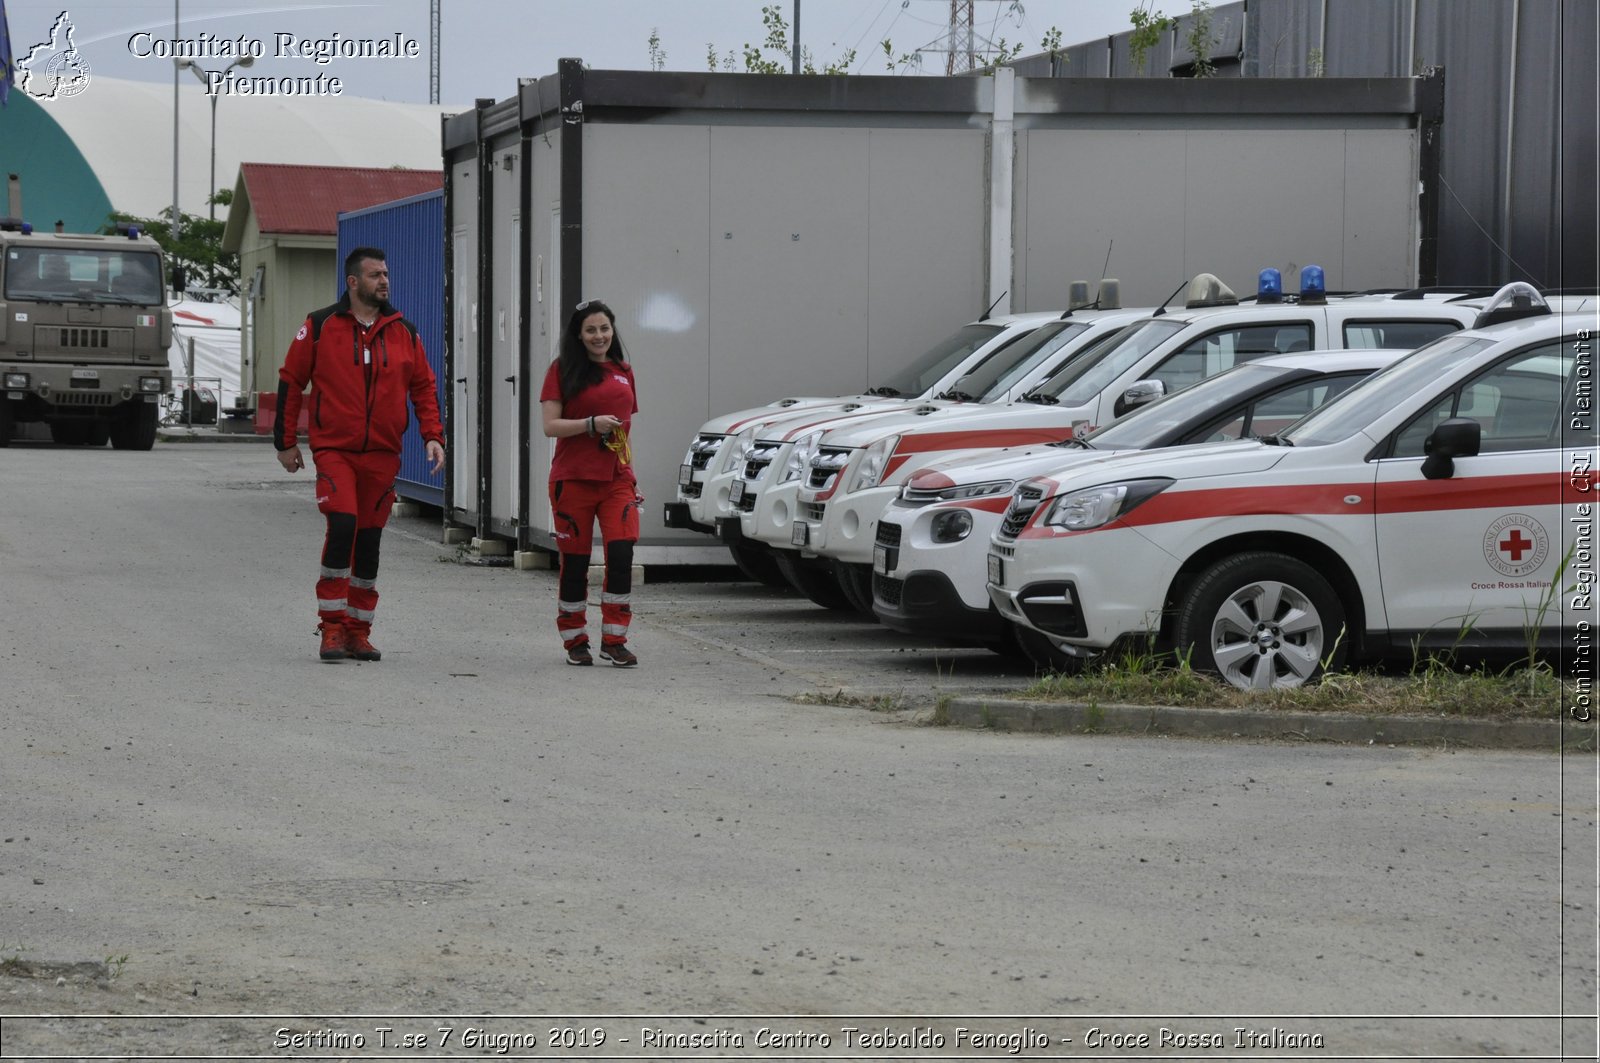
{"x": 99, "y": 432}
{"x": 136, "y": 428}
{"x": 6, "y": 422}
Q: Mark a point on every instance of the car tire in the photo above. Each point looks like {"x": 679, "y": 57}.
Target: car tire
{"x": 856, "y": 582}
{"x": 135, "y": 429}
{"x": 1261, "y": 620}
{"x": 756, "y": 564}
{"x": 812, "y": 578}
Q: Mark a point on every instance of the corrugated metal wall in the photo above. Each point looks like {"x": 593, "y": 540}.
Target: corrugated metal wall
{"x": 411, "y": 232}
{"x": 1517, "y": 200}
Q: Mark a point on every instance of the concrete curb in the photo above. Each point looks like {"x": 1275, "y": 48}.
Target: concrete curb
{"x": 1003, "y": 714}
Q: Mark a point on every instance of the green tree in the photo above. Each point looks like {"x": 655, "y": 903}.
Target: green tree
{"x": 1148, "y": 26}
{"x": 198, "y": 249}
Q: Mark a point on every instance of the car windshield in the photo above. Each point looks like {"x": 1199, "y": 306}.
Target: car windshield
{"x": 996, "y": 376}
{"x": 1378, "y": 394}
{"x": 1151, "y": 425}
{"x": 82, "y": 275}
{"x": 1092, "y": 372}
{"x": 938, "y": 362}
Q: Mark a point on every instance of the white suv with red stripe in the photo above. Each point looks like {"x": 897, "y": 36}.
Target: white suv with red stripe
{"x": 704, "y": 474}
{"x": 858, "y": 468}
{"x": 1440, "y": 504}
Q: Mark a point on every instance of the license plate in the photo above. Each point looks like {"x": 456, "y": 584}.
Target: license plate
{"x": 996, "y": 570}
{"x": 86, "y": 374}
{"x": 685, "y": 474}
{"x": 736, "y": 492}
{"x": 880, "y": 559}
{"x": 800, "y": 534}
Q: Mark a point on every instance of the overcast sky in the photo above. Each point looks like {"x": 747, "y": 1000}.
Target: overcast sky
{"x": 486, "y": 45}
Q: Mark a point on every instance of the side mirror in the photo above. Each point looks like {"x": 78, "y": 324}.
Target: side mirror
{"x": 1139, "y": 393}
{"x": 180, "y": 281}
{"x": 1459, "y": 437}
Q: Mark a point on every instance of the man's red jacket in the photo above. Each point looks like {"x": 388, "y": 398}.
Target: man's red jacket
{"x": 358, "y": 391}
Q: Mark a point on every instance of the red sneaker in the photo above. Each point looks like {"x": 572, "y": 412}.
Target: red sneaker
{"x": 335, "y": 642}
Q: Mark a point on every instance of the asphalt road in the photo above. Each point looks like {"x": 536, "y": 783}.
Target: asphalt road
{"x": 214, "y": 823}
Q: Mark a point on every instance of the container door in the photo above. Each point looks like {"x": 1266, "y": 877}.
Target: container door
{"x": 506, "y": 390}
{"x": 462, "y": 386}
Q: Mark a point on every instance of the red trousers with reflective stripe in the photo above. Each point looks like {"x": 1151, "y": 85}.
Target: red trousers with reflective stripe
{"x": 577, "y": 505}
{"x": 355, "y": 492}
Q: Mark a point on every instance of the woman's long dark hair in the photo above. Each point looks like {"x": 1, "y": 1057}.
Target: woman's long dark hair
{"x": 577, "y": 371}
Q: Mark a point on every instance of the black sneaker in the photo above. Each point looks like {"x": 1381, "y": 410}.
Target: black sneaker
{"x": 579, "y": 654}
{"x": 618, "y": 655}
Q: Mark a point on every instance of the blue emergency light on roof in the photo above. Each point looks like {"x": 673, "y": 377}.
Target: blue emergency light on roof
{"x": 1269, "y": 287}
{"x": 133, "y": 232}
{"x": 1313, "y": 285}
{"x": 27, "y": 228}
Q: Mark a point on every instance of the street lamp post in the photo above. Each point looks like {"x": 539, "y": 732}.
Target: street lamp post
{"x": 205, "y": 79}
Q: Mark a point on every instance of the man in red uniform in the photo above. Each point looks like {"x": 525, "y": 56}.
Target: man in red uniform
{"x": 362, "y": 359}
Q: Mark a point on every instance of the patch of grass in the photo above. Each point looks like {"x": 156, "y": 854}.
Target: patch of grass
{"x": 1432, "y": 687}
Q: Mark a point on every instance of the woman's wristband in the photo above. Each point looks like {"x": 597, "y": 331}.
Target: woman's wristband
{"x": 591, "y": 424}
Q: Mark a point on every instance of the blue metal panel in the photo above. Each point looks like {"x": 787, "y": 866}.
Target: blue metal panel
{"x": 411, "y": 233}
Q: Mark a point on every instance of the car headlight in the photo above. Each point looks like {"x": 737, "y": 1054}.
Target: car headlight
{"x": 17, "y": 380}
{"x": 799, "y": 459}
{"x": 873, "y": 463}
{"x": 950, "y": 526}
{"x": 150, "y": 384}
{"x": 735, "y": 450}
{"x": 1098, "y": 506}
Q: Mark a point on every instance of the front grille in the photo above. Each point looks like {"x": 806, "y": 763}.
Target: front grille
{"x": 703, "y": 450}
{"x": 760, "y": 457}
{"x": 887, "y": 589}
{"x": 812, "y": 511}
{"x": 888, "y": 534}
{"x": 1023, "y": 503}
{"x": 83, "y": 338}
{"x": 690, "y": 489}
{"x": 921, "y": 496}
{"x": 85, "y": 398}
{"x": 825, "y": 466}
{"x": 747, "y": 501}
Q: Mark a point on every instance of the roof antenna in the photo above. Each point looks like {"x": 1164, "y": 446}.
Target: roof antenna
{"x": 1162, "y": 309}
{"x": 985, "y": 315}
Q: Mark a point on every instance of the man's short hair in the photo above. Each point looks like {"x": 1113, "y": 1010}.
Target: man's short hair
{"x": 352, "y": 261}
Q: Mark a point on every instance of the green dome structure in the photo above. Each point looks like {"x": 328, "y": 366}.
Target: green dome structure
{"x": 58, "y": 184}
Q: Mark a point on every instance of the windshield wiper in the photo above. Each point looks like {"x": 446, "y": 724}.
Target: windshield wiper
{"x": 959, "y": 396}
{"x": 886, "y": 391}
{"x": 1041, "y": 398}
{"x": 1274, "y": 441}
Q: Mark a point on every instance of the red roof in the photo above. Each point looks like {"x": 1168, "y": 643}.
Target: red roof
{"x": 307, "y": 199}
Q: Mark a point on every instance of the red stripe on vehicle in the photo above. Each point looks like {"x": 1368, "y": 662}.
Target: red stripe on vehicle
{"x": 923, "y": 442}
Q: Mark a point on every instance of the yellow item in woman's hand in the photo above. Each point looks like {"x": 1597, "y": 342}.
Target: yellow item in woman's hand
{"x": 616, "y": 441}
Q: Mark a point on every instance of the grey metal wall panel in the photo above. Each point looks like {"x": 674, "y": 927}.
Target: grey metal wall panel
{"x": 1369, "y": 38}
{"x": 462, "y": 387}
{"x": 1473, "y": 38}
{"x": 1179, "y": 208}
{"x": 1281, "y": 36}
{"x": 1379, "y": 169}
{"x": 1062, "y": 234}
{"x": 1295, "y": 217}
{"x": 505, "y": 390}
{"x": 646, "y": 235}
{"x": 788, "y": 262}
{"x": 543, "y": 297}
{"x": 1092, "y": 59}
{"x": 1574, "y": 263}
{"x": 925, "y": 240}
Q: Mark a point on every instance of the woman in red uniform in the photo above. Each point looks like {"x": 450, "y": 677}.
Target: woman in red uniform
{"x": 588, "y": 403}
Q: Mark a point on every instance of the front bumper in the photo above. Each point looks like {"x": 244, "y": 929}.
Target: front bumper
{"x": 1092, "y": 589}
{"x": 844, "y": 526}
{"x": 927, "y": 603}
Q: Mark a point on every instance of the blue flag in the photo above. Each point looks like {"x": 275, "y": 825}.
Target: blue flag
{"x": 6, "y": 63}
